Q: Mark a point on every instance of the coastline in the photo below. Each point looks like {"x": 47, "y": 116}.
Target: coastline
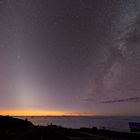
{"x": 25, "y": 130}
{"x": 112, "y": 123}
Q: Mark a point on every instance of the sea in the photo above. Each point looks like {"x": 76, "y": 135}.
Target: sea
{"x": 101, "y": 122}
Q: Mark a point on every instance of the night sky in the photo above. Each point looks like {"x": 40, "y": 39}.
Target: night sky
{"x": 70, "y": 57}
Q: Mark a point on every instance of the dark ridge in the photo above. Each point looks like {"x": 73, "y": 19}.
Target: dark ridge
{"x": 7, "y": 122}
{"x": 17, "y": 129}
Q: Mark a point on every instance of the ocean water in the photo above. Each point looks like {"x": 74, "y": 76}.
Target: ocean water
{"x": 111, "y": 123}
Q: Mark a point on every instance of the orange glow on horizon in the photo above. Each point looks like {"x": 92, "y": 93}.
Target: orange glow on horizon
{"x": 42, "y": 113}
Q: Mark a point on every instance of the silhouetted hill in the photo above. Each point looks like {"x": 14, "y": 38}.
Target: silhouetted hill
{"x": 17, "y": 129}
{"x": 7, "y": 122}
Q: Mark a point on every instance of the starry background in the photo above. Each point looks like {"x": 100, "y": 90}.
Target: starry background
{"x": 70, "y": 56}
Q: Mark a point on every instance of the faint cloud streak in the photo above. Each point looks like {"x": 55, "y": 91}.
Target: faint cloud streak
{"x": 132, "y": 99}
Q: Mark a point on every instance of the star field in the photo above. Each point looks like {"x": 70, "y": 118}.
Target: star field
{"x": 70, "y": 56}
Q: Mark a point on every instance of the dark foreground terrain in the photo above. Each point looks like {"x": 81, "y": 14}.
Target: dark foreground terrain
{"x": 16, "y": 129}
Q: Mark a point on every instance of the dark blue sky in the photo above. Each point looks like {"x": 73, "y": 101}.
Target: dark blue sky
{"x": 70, "y": 56}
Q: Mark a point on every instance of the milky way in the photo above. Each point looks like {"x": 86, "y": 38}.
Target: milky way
{"x": 70, "y": 56}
